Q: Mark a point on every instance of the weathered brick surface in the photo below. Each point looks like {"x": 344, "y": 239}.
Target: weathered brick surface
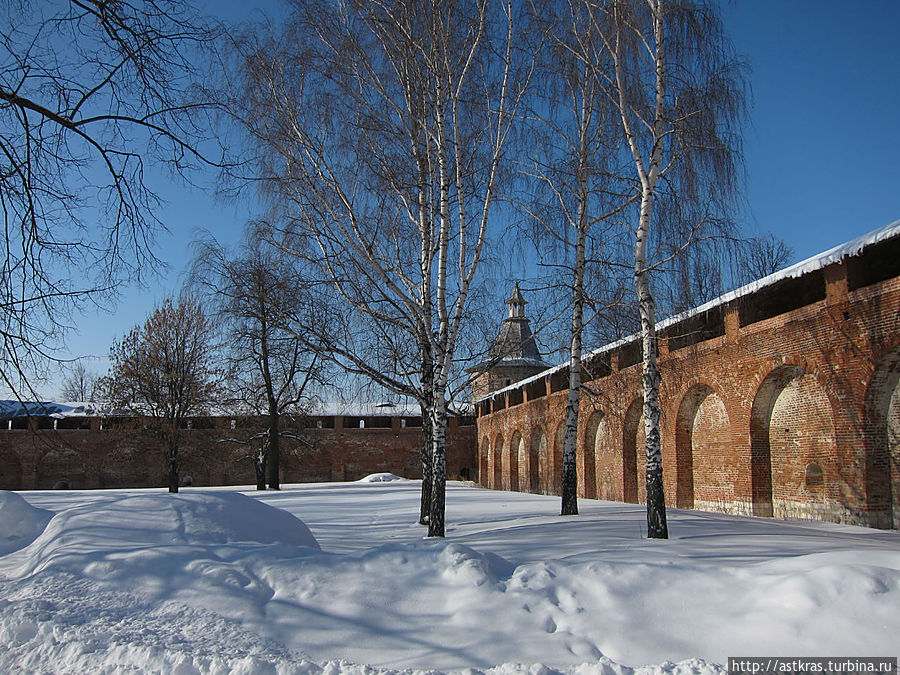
{"x": 789, "y": 413}
{"x": 122, "y": 457}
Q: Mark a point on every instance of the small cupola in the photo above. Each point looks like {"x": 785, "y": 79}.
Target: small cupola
{"x": 513, "y": 356}
{"x": 516, "y": 304}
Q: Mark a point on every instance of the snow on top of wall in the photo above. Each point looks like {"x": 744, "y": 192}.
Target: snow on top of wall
{"x": 362, "y": 408}
{"x": 9, "y": 409}
{"x": 13, "y": 409}
{"x": 816, "y": 262}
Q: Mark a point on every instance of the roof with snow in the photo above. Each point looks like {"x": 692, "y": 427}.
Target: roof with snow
{"x": 15, "y": 409}
{"x": 817, "y": 262}
{"x": 10, "y": 409}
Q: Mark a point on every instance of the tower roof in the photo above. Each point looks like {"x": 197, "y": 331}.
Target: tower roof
{"x": 515, "y": 341}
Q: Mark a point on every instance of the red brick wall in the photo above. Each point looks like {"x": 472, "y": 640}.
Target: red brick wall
{"x": 794, "y": 415}
{"x": 119, "y": 457}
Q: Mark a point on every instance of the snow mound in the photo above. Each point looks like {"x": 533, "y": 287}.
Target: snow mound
{"x": 381, "y": 478}
{"x": 157, "y": 525}
{"x": 20, "y": 522}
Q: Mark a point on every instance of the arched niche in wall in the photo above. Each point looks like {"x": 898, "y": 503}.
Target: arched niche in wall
{"x": 538, "y": 463}
{"x": 704, "y": 468}
{"x": 511, "y": 470}
{"x": 484, "y": 463}
{"x": 791, "y": 426}
{"x": 60, "y": 464}
{"x": 882, "y": 428}
{"x": 10, "y": 470}
{"x": 587, "y": 479}
{"x": 559, "y": 439}
{"x": 609, "y": 463}
{"x": 634, "y": 462}
{"x": 497, "y": 463}
{"x": 127, "y": 466}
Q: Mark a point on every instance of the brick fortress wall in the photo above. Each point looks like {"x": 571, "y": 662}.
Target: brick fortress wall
{"x": 783, "y": 402}
{"x": 116, "y": 453}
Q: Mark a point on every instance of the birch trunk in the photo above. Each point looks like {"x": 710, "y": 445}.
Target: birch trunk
{"x": 649, "y": 174}
{"x": 427, "y": 451}
{"x": 438, "y": 467}
{"x": 657, "y": 527}
{"x": 570, "y": 468}
{"x": 273, "y": 453}
{"x": 573, "y": 402}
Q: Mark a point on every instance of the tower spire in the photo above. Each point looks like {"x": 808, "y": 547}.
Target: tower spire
{"x": 516, "y": 304}
{"x": 514, "y": 354}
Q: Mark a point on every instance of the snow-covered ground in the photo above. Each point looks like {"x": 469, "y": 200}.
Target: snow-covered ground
{"x": 338, "y": 578}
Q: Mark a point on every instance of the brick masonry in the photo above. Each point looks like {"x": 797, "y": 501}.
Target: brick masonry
{"x": 118, "y": 454}
{"x": 784, "y": 403}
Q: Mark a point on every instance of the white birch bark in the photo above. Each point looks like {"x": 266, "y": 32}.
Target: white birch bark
{"x": 435, "y": 95}
{"x": 648, "y": 171}
{"x": 573, "y": 400}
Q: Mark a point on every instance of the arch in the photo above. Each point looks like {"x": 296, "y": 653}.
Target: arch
{"x": 524, "y": 467}
{"x": 538, "y": 462}
{"x": 555, "y": 473}
{"x": 633, "y": 480}
{"x": 684, "y": 450}
{"x": 58, "y": 464}
{"x": 882, "y": 428}
{"x": 318, "y": 464}
{"x": 814, "y": 475}
{"x": 588, "y": 474}
{"x": 792, "y": 425}
{"x": 512, "y": 461}
{"x": 706, "y": 474}
{"x": 127, "y": 466}
{"x": 484, "y": 463}
{"x": 496, "y": 459}
{"x": 760, "y": 446}
{"x": 609, "y": 463}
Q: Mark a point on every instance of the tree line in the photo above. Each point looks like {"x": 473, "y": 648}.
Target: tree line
{"x": 396, "y": 148}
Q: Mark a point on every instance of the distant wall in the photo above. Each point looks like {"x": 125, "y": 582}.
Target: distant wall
{"x": 783, "y": 402}
{"x": 117, "y": 453}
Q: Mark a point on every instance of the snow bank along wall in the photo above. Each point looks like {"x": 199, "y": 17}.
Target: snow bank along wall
{"x": 91, "y": 452}
{"x": 779, "y": 399}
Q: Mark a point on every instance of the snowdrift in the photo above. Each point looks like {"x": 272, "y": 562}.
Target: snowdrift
{"x": 381, "y": 478}
{"x": 221, "y": 582}
{"x": 117, "y": 534}
{"x": 20, "y": 523}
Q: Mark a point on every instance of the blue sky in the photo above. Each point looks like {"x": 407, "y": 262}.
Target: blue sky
{"x": 822, "y": 146}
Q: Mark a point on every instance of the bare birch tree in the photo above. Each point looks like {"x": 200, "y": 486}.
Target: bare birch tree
{"x": 573, "y": 170}
{"x": 680, "y": 94}
{"x": 381, "y": 129}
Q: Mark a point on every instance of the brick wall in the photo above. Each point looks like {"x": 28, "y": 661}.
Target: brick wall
{"x": 122, "y": 455}
{"x": 784, "y": 402}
